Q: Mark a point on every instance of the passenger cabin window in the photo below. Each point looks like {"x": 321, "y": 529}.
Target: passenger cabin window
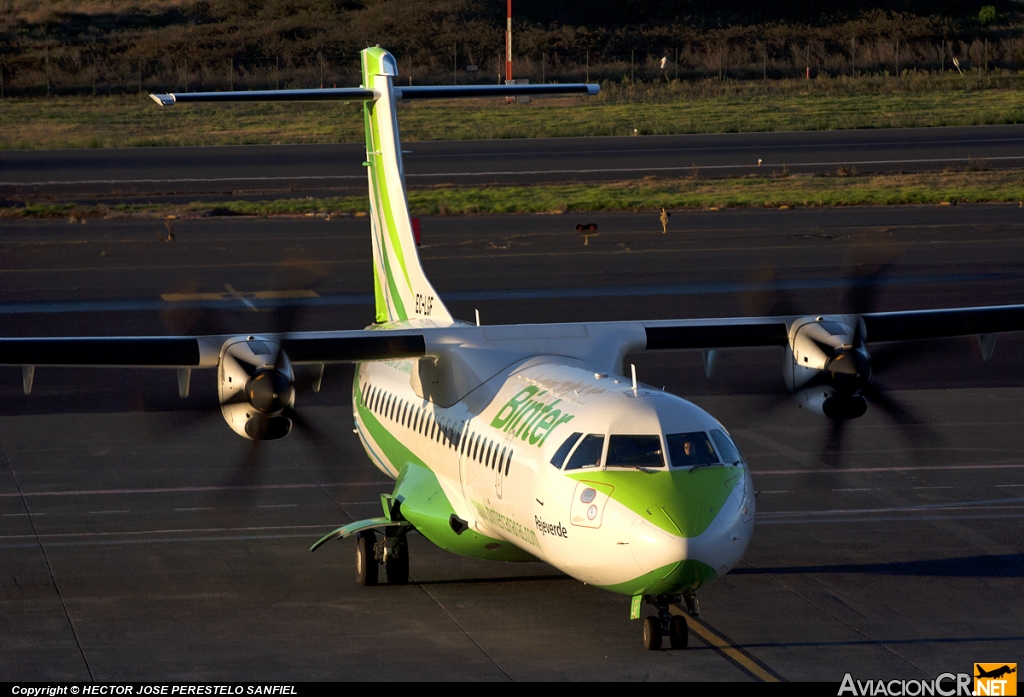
{"x": 728, "y": 450}
{"x": 634, "y": 451}
{"x": 689, "y": 449}
{"x": 559, "y": 459}
{"x": 588, "y": 453}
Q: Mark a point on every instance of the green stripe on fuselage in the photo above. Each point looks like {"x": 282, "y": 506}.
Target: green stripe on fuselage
{"x": 423, "y": 501}
{"x": 680, "y": 502}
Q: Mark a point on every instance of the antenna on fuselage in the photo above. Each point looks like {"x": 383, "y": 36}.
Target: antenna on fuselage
{"x": 477, "y": 317}
{"x": 632, "y": 367}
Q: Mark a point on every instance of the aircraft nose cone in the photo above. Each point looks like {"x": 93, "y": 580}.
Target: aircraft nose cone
{"x": 653, "y": 548}
{"x": 725, "y": 541}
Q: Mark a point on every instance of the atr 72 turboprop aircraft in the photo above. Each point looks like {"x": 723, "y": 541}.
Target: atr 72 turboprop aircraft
{"x": 523, "y": 442}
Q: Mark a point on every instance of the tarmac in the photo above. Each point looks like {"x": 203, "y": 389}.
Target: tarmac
{"x": 128, "y": 550}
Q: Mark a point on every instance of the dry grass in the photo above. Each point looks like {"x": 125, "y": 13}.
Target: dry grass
{"x": 649, "y": 194}
{"x": 133, "y": 120}
{"x": 36, "y": 10}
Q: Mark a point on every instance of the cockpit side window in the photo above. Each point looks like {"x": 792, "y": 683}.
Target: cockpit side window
{"x": 559, "y": 459}
{"x": 588, "y": 454}
{"x": 689, "y": 449}
{"x": 728, "y": 450}
{"x": 634, "y": 451}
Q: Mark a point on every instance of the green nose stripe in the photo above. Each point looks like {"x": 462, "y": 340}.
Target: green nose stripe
{"x": 680, "y": 502}
{"x": 678, "y": 577}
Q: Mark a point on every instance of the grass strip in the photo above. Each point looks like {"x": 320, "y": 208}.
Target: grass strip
{"x": 643, "y": 195}
{"x": 131, "y": 121}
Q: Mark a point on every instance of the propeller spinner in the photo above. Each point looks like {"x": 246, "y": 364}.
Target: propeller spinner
{"x": 256, "y": 388}
{"x": 828, "y": 367}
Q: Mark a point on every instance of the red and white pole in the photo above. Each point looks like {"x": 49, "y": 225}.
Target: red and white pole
{"x": 508, "y": 45}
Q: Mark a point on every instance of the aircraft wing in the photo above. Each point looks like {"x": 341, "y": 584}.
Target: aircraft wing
{"x": 717, "y": 333}
{"x": 910, "y": 325}
{"x": 204, "y": 351}
{"x": 934, "y": 324}
{"x": 369, "y": 345}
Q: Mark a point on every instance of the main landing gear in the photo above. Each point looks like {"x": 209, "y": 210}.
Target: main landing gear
{"x": 667, "y": 624}
{"x": 391, "y": 552}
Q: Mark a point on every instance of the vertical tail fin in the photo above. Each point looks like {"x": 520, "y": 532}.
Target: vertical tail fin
{"x": 401, "y": 288}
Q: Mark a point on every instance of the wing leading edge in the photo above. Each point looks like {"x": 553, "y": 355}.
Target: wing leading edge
{"x": 204, "y": 351}
{"x": 913, "y": 325}
{"x": 374, "y": 345}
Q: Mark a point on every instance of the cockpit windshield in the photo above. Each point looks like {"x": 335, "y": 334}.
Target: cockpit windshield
{"x": 634, "y": 451}
{"x": 726, "y": 448}
{"x": 690, "y": 449}
{"x": 587, "y": 453}
{"x": 559, "y": 459}
{"x": 695, "y": 449}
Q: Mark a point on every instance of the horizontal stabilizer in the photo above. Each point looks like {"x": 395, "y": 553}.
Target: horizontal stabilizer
{"x": 355, "y": 94}
{"x": 457, "y": 91}
{"x": 343, "y": 94}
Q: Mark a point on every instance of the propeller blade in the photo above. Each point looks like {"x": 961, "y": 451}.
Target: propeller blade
{"x": 897, "y": 412}
{"x": 832, "y": 452}
{"x": 913, "y": 428}
{"x": 177, "y": 316}
{"x": 293, "y": 274}
{"x": 863, "y": 294}
{"x": 889, "y": 356}
{"x": 233, "y": 500}
{"x": 767, "y": 299}
{"x": 870, "y": 261}
{"x": 307, "y": 427}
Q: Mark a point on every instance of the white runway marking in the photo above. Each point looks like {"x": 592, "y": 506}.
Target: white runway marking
{"x": 908, "y": 468}
{"x": 498, "y": 173}
{"x": 177, "y": 489}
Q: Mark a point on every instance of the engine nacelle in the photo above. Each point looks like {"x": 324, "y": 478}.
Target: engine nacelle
{"x": 255, "y": 384}
{"x": 827, "y": 365}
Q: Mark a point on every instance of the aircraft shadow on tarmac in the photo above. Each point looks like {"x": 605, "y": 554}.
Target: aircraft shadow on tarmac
{"x": 981, "y": 566}
{"x": 994, "y": 640}
{"x": 501, "y": 579}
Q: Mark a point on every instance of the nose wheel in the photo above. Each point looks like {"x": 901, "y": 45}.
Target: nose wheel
{"x": 366, "y": 565}
{"x": 652, "y": 633}
{"x": 665, "y": 624}
{"x": 391, "y": 552}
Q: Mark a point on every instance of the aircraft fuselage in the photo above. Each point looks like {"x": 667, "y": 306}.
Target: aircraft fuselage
{"x": 553, "y": 459}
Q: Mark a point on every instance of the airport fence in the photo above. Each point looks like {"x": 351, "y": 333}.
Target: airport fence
{"x": 73, "y": 70}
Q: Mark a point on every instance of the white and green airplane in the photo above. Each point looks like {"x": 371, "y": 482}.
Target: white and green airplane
{"x": 523, "y": 442}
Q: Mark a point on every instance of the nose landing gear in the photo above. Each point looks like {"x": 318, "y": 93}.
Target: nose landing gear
{"x": 391, "y": 552}
{"x": 666, "y": 624}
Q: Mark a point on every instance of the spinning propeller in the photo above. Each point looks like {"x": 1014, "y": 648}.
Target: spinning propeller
{"x": 828, "y": 368}
{"x": 256, "y": 383}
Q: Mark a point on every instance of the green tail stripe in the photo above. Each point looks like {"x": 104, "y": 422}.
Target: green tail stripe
{"x": 380, "y": 177}
{"x": 401, "y": 282}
